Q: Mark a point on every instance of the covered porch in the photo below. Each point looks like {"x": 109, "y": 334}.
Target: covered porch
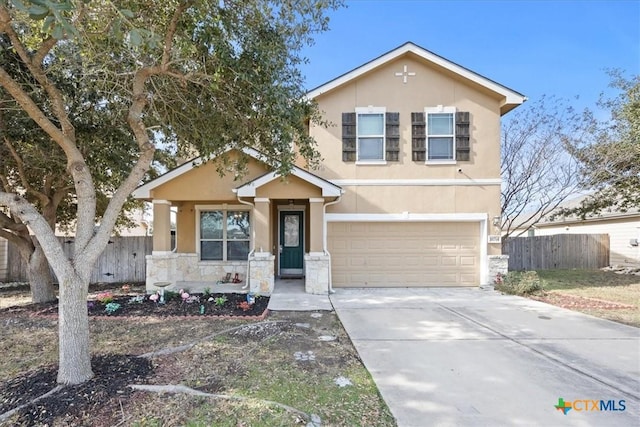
{"x": 265, "y": 229}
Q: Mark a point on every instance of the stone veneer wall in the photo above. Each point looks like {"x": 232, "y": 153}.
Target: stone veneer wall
{"x": 316, "y": 274}
{"x": 261, "y": 273}
{"x": 185, "y": 267}
{"x": 498, "y": 264}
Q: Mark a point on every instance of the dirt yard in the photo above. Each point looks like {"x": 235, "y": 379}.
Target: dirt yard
{"x": 289, "y": 369}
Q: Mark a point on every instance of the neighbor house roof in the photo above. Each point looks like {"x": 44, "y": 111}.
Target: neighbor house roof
{"x": 510, "y": 98}
{"x": 245, "y": 190}
{"x": 605, "y": 214}
{"x": 552, "y": 219}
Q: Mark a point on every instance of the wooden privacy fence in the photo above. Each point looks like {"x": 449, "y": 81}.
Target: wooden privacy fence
{"x": 583, "y": 251}
{"x": 123, "y": 260}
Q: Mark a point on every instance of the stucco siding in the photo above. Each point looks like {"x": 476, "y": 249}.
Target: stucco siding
{"x": 620, "y": 231}
{"x": 204, "y": 183}
{"x": 428, "y": 88}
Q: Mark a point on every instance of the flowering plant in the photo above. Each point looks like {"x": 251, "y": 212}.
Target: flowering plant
{"x": 245, "y": 306}
{"x": 105, "y": 297}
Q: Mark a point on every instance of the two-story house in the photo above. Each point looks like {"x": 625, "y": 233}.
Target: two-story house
{"x": 408, "y": 192}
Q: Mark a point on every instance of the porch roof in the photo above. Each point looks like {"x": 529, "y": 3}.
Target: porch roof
{"x": 246, "y": 190}
{"x": 328, "y": 188}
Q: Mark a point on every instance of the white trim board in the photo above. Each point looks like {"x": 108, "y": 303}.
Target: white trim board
{"x": 405, "y": 217}
{"x": 416, "y": 182}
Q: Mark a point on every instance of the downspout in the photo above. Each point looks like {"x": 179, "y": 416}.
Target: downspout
{"x": 324, "y": 237}
{"x": 252, "y": 251}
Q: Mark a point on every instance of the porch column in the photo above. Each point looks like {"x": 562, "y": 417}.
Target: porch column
{"x": 161, "y": 226}
{"x": 316, "y": 223}
{"x": 261, "y": 221}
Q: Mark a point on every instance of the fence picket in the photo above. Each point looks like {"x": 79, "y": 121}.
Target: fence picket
{"x": 123, "y": 260}
{"x": 583, "y": 251}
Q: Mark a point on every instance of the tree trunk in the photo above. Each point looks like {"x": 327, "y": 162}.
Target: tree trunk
{"x": 40, "y": 277}
{"x": 73, "y": 331}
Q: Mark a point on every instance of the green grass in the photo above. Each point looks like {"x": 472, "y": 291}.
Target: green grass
{"x": 574, "y": 279}
{"x": 591, "y": 287}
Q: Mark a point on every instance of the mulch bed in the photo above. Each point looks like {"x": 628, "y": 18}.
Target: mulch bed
{"x": 198, "y": 305}
{"x": 96, "y": 401}
{"x": 84, "y": 404}
{"x": 575, "y": 302}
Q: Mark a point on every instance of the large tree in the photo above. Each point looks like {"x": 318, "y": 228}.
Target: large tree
{"x": 610, "y": 164}
{"x": 34, "y": 165}
{"x": 538, "y": 173}
{"x": 211, "y": 74}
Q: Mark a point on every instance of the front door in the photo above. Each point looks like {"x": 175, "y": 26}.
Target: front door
{"x": 291, "y": 243}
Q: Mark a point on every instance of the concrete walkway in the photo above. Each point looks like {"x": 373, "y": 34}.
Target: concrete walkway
{"x": 471, "y": 357}
{"x": 289, "y": 295}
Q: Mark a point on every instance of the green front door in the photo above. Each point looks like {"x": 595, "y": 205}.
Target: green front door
{"x": 291, "y": 242}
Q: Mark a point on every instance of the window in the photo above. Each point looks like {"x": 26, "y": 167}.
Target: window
{"x": 440, "y": 133}
{"x": 370, "y": 134}
{"x": 224, "y": 235}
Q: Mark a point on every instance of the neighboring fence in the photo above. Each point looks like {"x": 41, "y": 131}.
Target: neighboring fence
{"x": 583, "y": 251}
{"x": 123, "y": 260}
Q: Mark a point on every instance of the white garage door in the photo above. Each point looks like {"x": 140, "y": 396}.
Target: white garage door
{"x": 392, "y": 254}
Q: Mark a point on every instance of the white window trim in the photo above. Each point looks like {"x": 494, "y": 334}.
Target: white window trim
{"x": 435, "y": 110}
{"x": 372, "y": 110}
{"x": 223, "y": 207}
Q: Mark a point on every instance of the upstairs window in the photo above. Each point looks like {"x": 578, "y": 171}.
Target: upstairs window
{"x": 370, "y": 138}
{"x": 370, "y": 135}
{"x": 440, "y": 133}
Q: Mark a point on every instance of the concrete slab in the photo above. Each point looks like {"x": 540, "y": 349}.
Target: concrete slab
{"x": 289, "y": 295}
{"x": 470, "y": 357}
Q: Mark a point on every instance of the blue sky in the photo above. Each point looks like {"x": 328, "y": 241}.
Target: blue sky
{"x": 539, "y": 47}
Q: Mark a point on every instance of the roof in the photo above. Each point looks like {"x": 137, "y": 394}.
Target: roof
{"x": 328, "y": 189}
{"x": 604, "y": 215}
{"x": 246, "y": 190}
{"x": 510, "y": 98}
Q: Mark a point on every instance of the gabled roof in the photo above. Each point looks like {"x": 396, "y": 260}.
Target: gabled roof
{"x": 328, "y": 189}
{"x": 511, "y": 98}
{"x": 246, "y": 190}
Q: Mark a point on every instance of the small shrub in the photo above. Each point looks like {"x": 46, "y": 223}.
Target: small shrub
{"x": 138, "y": 299}
{"x": 220, "y": 301}
{"x": 207, "y": 292}
{"x": 245, "y": 306}
{"x": 169, "y": 295}
{"x": 519, "y": 283}
{"x": 112, "y": 307}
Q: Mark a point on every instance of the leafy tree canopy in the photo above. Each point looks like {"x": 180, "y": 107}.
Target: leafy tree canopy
{"x": 611, "y": 164}
{"x": 195, "y": 76}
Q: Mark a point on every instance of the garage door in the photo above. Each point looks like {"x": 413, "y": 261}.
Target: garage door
{"x": 390, "y": 254}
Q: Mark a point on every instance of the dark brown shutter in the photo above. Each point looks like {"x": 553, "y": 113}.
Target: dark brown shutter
{"x": 418, "y": 137}
{"x": 463, "y": 149}
{"x": 392, "y": 133}
{"x": 348, "y": 137}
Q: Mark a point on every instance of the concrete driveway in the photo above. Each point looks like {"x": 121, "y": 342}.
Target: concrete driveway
{"x": 443, "y": 356}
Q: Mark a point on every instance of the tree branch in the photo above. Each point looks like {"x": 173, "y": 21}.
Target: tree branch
{"x": 46, "y": 236}
{"x": 21, "y": 172}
